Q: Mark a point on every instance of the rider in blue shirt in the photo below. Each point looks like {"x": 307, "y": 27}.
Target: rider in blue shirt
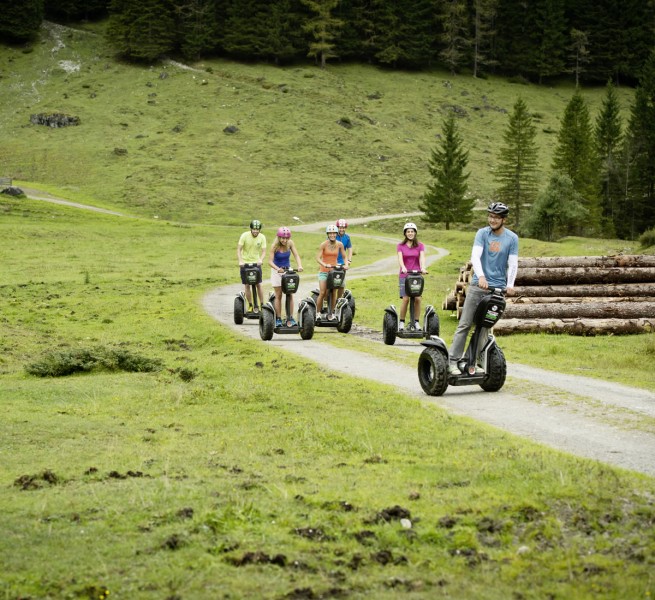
{"x": 495, "y": 258}
{"x": 344, "y": 238}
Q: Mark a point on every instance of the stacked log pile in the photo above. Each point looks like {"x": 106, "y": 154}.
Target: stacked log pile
{"x": 579, "y": 295}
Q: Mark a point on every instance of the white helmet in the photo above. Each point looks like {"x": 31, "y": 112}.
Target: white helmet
{"x": 410, "y": 226}
{"x": 331, "y": 229}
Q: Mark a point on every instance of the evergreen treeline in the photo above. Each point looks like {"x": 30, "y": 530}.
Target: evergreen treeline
{"x": 592, "y": 40}
{"x": 601, "y": 181}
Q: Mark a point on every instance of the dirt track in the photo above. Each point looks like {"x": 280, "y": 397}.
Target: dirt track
{"x": 579, "y": 415}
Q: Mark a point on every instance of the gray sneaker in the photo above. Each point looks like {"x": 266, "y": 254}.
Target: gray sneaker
{"x": 453, "y": 369}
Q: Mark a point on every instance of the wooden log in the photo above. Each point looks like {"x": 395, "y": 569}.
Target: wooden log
{"x": 450, "y": 302}
{"x": 583, "y": 327}
{"x": 583, "y": 310}
{"x": 580, "y": 275}
{"x": 591, "y": 289}
{"x": 619, "y": 260}
{"x": 574, "y": 299}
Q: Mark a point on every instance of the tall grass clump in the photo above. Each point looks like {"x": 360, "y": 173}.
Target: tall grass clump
{"x": 82, "y": 360}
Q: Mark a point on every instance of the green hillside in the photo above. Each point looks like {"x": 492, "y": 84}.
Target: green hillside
{"x": 151, "y": 139}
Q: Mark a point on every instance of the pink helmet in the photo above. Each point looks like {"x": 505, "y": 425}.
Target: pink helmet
{"x": 342, "y": 223}
{"x": 284, "y": 232}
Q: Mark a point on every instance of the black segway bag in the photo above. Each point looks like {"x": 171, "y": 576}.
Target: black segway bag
{"x": 413, "y": 285}
{"x": 335, "y": 279}
{"x": 490, "y": 310}
{"x": 252, "y": 274}
{"x": 290, "y": 283}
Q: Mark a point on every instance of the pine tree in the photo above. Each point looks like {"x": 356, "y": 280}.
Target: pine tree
{"x": 20, "y": 21}
{"x": 638, "y": 212}
{"x": 142, "y": 29}
{"x": 404, "y": 32}
{"x": 455, "y": 41}
{"x": 557, "y": 211}
{"x": 519, "y": 165}
{"x": 579, "y": 53}
{"x": 445, "y": 200}
{"x": 484, "y": 32}
{"x": 197, "y": 26}
{"x": 323, "y": 28}
{"x": 608, "y": 137}
{"x": 575, "y": 157}
{"x": 550, "y": 38}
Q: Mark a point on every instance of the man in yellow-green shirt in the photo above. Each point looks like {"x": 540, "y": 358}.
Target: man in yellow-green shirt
{"x": 251, "y": 249}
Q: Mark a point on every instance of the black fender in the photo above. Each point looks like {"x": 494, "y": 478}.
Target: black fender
{"x": 437, "y": 343}
{"x": 269, "y": 306}
{"x": 391, "y": 309}
{"x": 341, "y": 302}
{"x": 305, "y": 305}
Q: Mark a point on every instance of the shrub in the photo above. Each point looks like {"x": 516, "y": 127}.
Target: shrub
{"x": 647, "y": 239}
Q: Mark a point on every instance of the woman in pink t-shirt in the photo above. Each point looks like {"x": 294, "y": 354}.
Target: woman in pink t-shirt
{"x": 411, "y": 257}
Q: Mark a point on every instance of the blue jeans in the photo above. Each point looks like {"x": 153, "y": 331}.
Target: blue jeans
{"x": 474, "y": 296}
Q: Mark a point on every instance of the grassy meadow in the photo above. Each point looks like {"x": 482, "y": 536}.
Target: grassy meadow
{"x": 234, "y": 470}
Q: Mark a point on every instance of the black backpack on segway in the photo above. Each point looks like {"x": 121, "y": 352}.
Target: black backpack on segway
{"x": 483, "y": 362}
{"x": 414, "y": 283}
{"x": 253, "y": 277}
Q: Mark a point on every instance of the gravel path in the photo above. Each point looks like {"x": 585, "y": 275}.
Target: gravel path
{"x": 579, "y": 415}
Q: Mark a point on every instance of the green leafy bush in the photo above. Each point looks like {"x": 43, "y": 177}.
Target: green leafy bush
{"x": 80, "y": 360}
{"x": 647, "y": 239}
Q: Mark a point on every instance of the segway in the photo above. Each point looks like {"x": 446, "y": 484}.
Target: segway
{"x": 483, "y": 362}
{"x": 390, "y": 325}
{"x": 342, "y": 311}
{"x": 306, "y": 310}
{"x": 253, "y": 277}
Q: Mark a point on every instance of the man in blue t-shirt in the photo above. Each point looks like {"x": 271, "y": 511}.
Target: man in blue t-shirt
{"x": 495, "y": 258}
{"x": 344, "y": 238}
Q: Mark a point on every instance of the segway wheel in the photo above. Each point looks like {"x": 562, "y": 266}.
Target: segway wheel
{"x": 433, "y": 372}
{"x": 266, "y": 325}
{"x": 433, "y": 327}
{"x": 239, "y": 310}
{"x": 497, "y": 367}
{"x": 308, "y": 323}
{"x": 389, "y": 327}
{"x": 346, "y": 320}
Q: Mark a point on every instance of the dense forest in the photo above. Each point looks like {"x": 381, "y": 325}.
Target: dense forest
{"x": 589, "y": 40}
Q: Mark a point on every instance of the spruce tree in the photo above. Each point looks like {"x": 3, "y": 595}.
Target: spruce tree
{"x": 484, "y": 15}
{"x": 579, "y": 53}
{"x": 454, "y": 39}
{"x": 550, "y": 38}
{"x": 558, "y": 210}
{"x": 445, "y": 200}
{"x": 323, "y": 27}
{"x": 142, "y": 29}
{"x": 638, "y": 212}
{"x": 608, "y": 137}
{"x": 20, "y": 21}
{"x": 575, "y": 157}
{"x": 519, "y": 165}
{"x": 197, "y": 27}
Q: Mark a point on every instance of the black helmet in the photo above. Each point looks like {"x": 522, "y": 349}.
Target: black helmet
{"x": 498, "y": 208}
{"x": 255, "y": 224}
